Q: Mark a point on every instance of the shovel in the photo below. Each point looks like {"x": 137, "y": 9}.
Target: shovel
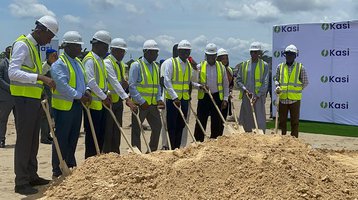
{"x": 93, "y": 131}
{"x": 276, "y": 119}
{"x": 228, "y": 126}
{"x": 63, "y": 166}
{"x": 166, "y": 131}
{"x": 238, "y": 126}
{"x": 141, "y": 130}
{"x": 197, "y": 120}
{"x": 259, "y": 131}
{"x": 186, "y": 123}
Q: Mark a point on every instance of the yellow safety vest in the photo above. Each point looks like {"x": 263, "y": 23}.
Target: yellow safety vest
{"x": 29, "y": 89}
{"x": 180, "y": 81}
{"x": 59, "y": 101}
{"x": 119, "y": 73}
{"x": 101, "y": 80}
{"x": 259, "y": 71}
{"x": 148, "y": 87}
{"x": 290, "y": 84}
{"x": 220, "y": 69}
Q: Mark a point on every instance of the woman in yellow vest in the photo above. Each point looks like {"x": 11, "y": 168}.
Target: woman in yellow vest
{"x": 69, "y": 75}
{"x": 291, "y": 78}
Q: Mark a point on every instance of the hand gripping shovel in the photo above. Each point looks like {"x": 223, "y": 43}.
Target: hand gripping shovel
{"x": 197, "y": 120}
{"x": 133, "y": 149}
{"x": 186, "y": 123}
{"x": 228, "y": 126}
{"x": 141, "y": 130}
{"x": 165, "y": 128}
{"x": 93, "y": 131}
{"x": 257, "y": 130}
{"x": 63, "y": 166}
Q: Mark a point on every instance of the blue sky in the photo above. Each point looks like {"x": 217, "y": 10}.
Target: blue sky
{"x": 231, "y": 24}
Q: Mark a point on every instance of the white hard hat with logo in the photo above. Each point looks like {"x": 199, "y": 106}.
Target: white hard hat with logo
{"x": 210, "y": 49}
{"x": 150, "y": 45}
{"x": 49, "y": 22}
{"x": 291, "y": 48}
{"x": 102, "y": 36}
{"x": 72, "y": 37}
{"x": 184, "y": 44}
{"x": 118, "y": 43}
{"x": 255, "y": 46}
{"x": 222, "y": 52}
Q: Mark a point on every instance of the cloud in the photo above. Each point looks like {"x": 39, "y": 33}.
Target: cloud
{"x": 165, "y": 42}
{"x": 200, "y": 41}
{"x": 302, "y": 5}
{"x": 29, "y": 8}
{"x": 136, "y": 39}
{"x": 109, "y": 4}
{"x": 72, "y": 19}
{"x": 99, "y": 25}
{"x": 260, "y": 11}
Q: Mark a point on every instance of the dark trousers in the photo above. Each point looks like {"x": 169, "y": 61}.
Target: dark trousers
{"x": 112, "y": 138}
{"x": 5, "y": 108}
{"x": 27, "y": 122}
{"x": 68, "y": 124}
{"x": 99, "y": 120}
{"x": 205, "y": 109}
{"x": 294, "y": 110}
{"x": 175, "y": 122}
{"x": 44, "y": 127}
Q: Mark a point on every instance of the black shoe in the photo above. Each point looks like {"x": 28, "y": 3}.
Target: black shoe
{"x": 2, "y": 144}
{"x": 39, "y": 181}
{"x": 26, "y": 189}
{"x": 165, "y": 148}
{"x": 46, "y": 141}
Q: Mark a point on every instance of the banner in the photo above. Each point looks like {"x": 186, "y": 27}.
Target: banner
{"x": 53, "y": 45}
{"x": 329, "y": 54}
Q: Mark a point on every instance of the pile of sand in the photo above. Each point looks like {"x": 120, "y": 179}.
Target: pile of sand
{"x": 243, "y": 166}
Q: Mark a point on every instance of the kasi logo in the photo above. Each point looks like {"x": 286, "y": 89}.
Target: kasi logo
{"x": 334, "y": 105}
{"x": 335, "y": 52}
{"x": 287, "y": 28}
{"x": 335, "y": 79}
{"x": 335, "y": 26}
{"x": 281, "y": 54}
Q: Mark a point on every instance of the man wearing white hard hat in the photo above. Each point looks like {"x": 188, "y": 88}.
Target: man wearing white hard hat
{"x": 144, "y": 88}
{"x": 291, "y": 78}
{"x": 25, "y": 73}
{"x": 69, "y": 76}
{"x": 252, "y": 79}
{"x": 96, "y": 74}
{"x": 212, "y": 76}
{"x": 177, "y": 79}
{"x": 117, "y": 84}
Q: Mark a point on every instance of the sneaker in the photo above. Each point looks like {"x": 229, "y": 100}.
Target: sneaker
{"x": 26, "y": 189}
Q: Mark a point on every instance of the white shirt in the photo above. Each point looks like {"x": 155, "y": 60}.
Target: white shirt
{"x": 211, "y": 79}
{"x": 113, "y": 79}
{"x": 21, "y": 56}
{"x": 167, "y": 67}
{"x": 89, "y": 67}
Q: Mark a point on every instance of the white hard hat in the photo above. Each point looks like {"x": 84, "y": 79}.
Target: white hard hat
{"x": 210, "y": 49}
{"x": 291, "y": 48}
{"x": 150, "y": 45}
{"x": 72, "y": 37}
{"x": 102, "y": 36}
{"x": 255, "y": 46}
{"x": 222, "y": 52}
{"x": 49, "y": 22}
{"x": 184, "y": 44}
{"x": 118, "y": 43}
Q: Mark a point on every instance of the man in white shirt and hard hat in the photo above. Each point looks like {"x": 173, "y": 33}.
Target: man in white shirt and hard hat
{"x": 144, "y": 88}
{"x": 252, "y": 80}
{"x": 96, "y": 74}
{"x": 25, "y": 73}
{"x": 117, "y": 84}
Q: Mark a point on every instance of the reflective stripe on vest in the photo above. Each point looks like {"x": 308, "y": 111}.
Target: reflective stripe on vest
{"x": 259, "y": 71}
{"x": 148, "y": 87}
{"x": 180, "y": 81}
{"x": 101, "y": 80}
{"x": 29, "y": 89}
{"x": 117, "y": 70}
{"x": 290, "y": 84}
{"x": 59, "y": 101}
{"x": 219, "y": 71}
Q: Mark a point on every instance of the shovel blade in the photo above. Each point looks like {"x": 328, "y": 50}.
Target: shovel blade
{"x": 134, "y": 150}
{"x": 64, "y": 169}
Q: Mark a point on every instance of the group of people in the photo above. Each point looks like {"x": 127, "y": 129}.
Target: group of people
{"x": 99, "y": 82}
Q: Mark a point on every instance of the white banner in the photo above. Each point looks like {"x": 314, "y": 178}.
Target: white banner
{"x": 329, "y": 53}
{"x": 53, "y": 45}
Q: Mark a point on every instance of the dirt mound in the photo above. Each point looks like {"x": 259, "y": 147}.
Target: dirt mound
{"x": 233, "y": 167}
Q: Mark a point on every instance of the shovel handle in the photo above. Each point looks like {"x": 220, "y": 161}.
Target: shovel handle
{"x": 216, "y": 106}
{"x": 253, "y": 113}
{"x": 197, "y": 119}
{"x": 186, "y": 123}
{"x": 93, "y": 131}
{"x": 141, "y": 129}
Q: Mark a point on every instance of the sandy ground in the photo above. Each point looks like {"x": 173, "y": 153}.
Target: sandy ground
{"x": 348, "y": 157}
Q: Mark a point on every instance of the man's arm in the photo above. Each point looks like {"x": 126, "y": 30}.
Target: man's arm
{"x": 303, "y": 77}
{"x": 89, "y": 67}
{"x": 113, "y": 80}
{"x": 134, "y": 77}
{"x": 168, "y": 75}
{"x": 264, "y": 82}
